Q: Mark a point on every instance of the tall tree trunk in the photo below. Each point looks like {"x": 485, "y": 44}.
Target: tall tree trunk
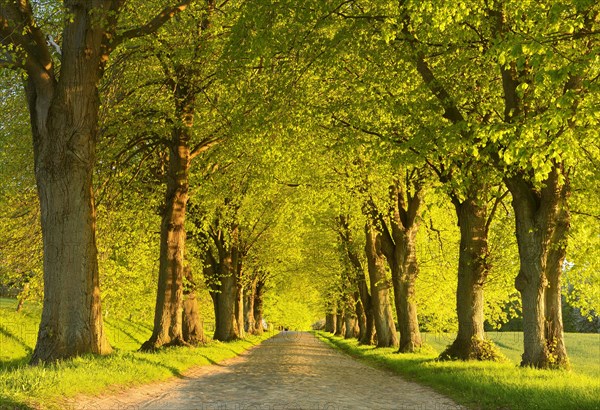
{"x": 64, "y": 119}
{"x": 542, "y": 223}
{"x": 330, "y": 322}
{"x": 361, "y": 317}
{"x": 382, "y": 311}
{"x": 340, "y": 326}
{"x": 368, "y": 338}
{"x": 239, "y": 309}
{"x": 406, "y": 309}
{"x": 350, "y": 319}
{"x": 399, "y": 247}
{"x": 169, "y": 298}
{"x": 258, "y": 307}
{"x": 472, "y": 271}
{"x": 249, "y": 296}
{"x": 554, "y": 267}
{"x": 192, "y": 329}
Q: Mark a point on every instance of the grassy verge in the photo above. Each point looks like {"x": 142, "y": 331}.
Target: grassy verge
{"x": 47, "y": 386}
{"x": 484, "y": 385}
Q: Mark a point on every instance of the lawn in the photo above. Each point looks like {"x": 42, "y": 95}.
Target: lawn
{"x": 504, "y": 385}
{"x": 25, "y": 387}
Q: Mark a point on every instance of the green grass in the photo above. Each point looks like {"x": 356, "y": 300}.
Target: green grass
{"x": 482, "y": 385}
{"x": 22, "y": 386}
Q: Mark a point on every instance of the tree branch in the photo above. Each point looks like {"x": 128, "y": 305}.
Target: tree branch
{"x": 151, "y": 26}
{"x": 204, "y": 146}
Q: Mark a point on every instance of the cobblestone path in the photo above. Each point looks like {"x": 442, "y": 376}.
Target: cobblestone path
{"x": 290, "y": 371}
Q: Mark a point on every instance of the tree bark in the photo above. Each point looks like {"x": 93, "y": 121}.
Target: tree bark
{"x": 168, "y": 329}
{"x": 249, "y": 297}
{"x": 64, "y": 118}
{"x": 350, "y": 320}
{"x": 399, "y": 247}
{"x": 258, "y": 307}
{"x": 554, "y": 268}
{"x": 239, "y": 305}
{"x": 192, "y": 326}
{"x": 361, "y": 317}
{"x": 340, "y": 326}
{"x": 330, "y": 322}
{"x": 542, "y": 222}
{"x": 382, "y": 311}
{"x": 472, "y": 271}
{"x": 22, "y": 297}
{"x": 225, "y": 314}
{"x": 367, "y": 334}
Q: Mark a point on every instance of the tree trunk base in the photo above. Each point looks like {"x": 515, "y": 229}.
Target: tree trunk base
{"x": 155, "y": 345}
{"x": 475, "y": 349}
{"x": 411, "y": 347}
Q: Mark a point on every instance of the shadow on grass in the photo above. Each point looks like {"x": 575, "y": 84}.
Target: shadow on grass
{"x": 8, "y": 404}
{"x": 121, "y": 329}
{"x": 4, "y": 331}
{"x": 173, "y": 370}
{"x": 13, "y": 364}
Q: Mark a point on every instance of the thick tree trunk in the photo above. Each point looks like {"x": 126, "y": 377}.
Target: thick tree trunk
{"x": 400, "y": 250}
{"x": 169, "y": 298}
{"x": 192, "y": 326}
{"x": 64, "y": 118}
{"x": 382, "y": 311}
{"x": 258, "y": 307}
{"x": 472, "y": 272}
{"x": 330, "y": 322}
{"x": 406, "y": 309}
{"x": 542, "y": 222}
{"x": 226, "y": 326}
{"x": 350, "y": 324}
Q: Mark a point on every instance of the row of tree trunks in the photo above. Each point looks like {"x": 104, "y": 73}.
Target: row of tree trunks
{"x": 542, "y": 222}
{"x": 253, "y": 304}
{"x": 364, "y": 311}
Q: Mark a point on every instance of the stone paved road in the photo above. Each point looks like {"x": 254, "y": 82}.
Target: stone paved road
{"x": 290, "y": 371}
